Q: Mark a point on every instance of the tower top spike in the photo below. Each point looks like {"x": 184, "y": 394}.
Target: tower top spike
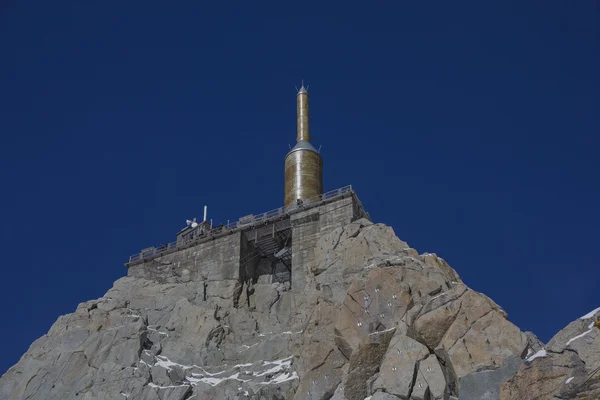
{"x": 302, "y": 111}
{"x": 303, "y": 89}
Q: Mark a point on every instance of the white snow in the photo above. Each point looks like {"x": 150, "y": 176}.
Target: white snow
{"x": 282, "y": 378}
{"x": 205, "y": 372}
{"x": 541, "y": 353}
{"x": 216, "y": 381}
{"x": 213, "y": 379}
{"x": 155, "y": 330}
{"x": 590, "y": 314}
{"x": 380, "y": 332}
{"x": 435, "y": 297}
{"x": 569, "y": 380}
{"x": 278, "y": 365}
{"x": 246, "y": 347}
{"x": 153, "y": 385}
{"x": 192, "y": 380}
{"x": 579, "y": 336}
{"x": 166, "y": 363}
{"x": 286, "y": 377}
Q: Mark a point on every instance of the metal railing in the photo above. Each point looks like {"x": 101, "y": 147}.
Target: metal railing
{"x": 243, "y": 223}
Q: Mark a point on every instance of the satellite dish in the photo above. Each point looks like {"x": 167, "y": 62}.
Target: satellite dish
{"x": 191, "y": 223}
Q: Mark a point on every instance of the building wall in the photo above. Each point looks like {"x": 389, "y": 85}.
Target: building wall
{"x": 215, "y": 260}
{"x": 307, "y": 227}
{"x": 249, "y": 259}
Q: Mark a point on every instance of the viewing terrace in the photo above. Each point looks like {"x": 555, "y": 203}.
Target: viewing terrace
{"x": 247, "y": 223}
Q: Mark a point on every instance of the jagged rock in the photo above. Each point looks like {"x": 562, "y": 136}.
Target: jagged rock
{"x": 162, "y": 393}
{"x": 431, "y": 376}
{"x": 566, "y": 369}
{"x": 429, "y": 380}
{"x": 377, "y": 303}
{"x": 367, "y": 316}
{"x": 437, "y": 316}
{"x": 433, "y": 261}
{"x": 533, "y": 343}
{"x": 320, "y": 383}
{"x": 399, "y": 366}
{"x": 582, "y": 337}
{"x": 382, "y": 396}
{"x": 365, "y": 363}
{"x": 541, "y": 378}
{"x": 486, "y": 384}
{"x": 479, "y": 336}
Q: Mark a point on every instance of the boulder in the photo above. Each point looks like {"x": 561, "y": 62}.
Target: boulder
{"x": 543, "y": 377}
{"x": 486, "y": 384}
{"x": 365, "y": 363}
{"x": 399, "y": 365}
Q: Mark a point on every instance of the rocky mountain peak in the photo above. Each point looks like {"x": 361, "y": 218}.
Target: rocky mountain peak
{"x": 371, "y": 318}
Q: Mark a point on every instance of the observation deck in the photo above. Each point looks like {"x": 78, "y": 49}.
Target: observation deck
{"x": 267, "y": 231}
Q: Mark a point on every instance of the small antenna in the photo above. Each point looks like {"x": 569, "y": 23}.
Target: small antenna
{"x": 289, "y": 146}
{"x": 320, "y": 149}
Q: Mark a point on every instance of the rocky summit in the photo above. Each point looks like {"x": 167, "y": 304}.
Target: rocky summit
{"x": 370, "y": 319}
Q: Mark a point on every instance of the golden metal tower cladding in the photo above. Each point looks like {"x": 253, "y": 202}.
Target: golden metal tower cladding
{"x": 303, "y": 164}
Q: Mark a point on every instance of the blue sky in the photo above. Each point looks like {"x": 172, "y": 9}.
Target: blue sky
{"x": 472, "y": 128}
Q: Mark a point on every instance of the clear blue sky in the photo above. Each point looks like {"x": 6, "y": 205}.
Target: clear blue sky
{"x": 472, "y": 128}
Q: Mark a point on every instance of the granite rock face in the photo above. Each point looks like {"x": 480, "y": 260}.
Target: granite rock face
{"x": 373, "y": 319}
{"x": 567, "y": 368}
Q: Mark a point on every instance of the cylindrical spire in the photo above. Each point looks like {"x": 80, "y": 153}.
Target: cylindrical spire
{"x": 302, "y": 111}
{"x": 303, "y": 164}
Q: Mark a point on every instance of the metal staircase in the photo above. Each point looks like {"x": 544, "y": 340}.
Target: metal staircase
{"x": 275, "y": 246}
{"x": 269, "y": 246}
